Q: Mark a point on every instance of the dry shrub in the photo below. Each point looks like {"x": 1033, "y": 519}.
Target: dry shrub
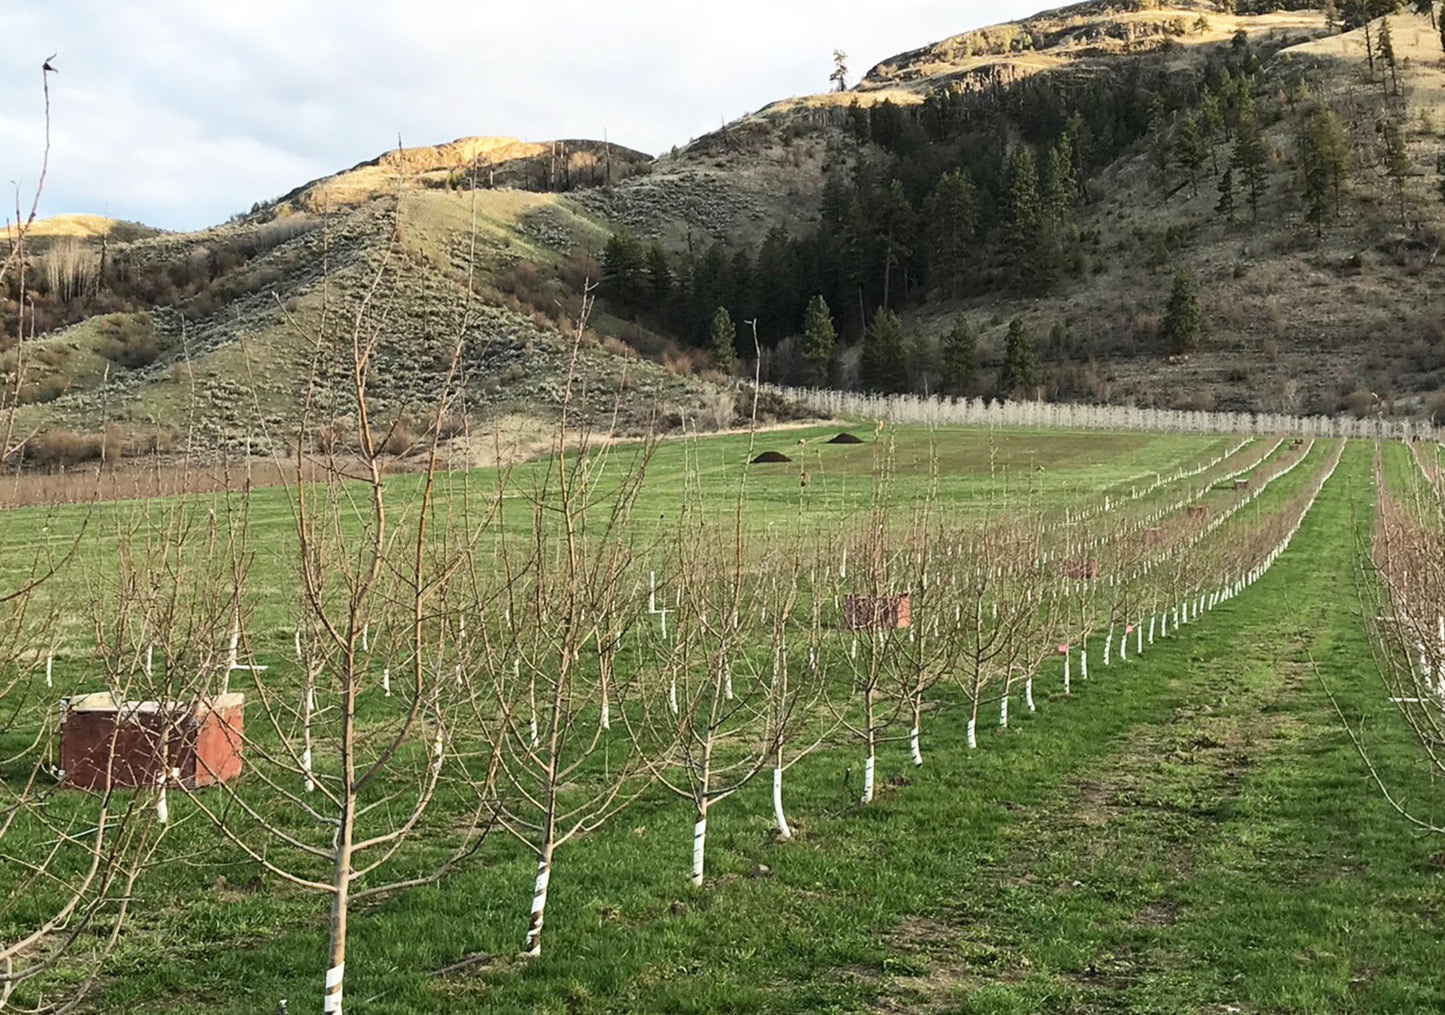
{"x": 61, "y": 448}
{"x": 580, "y": 270}
{"x": 1197, "y": 400}
{"x": 401, "y": 437}
{"x": 715, "y": 410}
{"x": 1360, "y": 402}
{"x": 1436, "y": 406}
{"x": 682, "y": 362}
{"x": 617, "y": 347}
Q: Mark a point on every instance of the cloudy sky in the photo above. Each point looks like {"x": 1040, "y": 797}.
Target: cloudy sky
{"x": 179, "y": 113}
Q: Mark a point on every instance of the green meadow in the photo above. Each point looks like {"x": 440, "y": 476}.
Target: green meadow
{"x": 1189, "y": 830}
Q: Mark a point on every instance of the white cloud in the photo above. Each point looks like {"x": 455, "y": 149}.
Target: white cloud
{"x": 178, "y": 114}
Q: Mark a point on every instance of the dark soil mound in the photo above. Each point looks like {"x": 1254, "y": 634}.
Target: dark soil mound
{"x": 771, "y": 456}
{"x": 845, "y": 438}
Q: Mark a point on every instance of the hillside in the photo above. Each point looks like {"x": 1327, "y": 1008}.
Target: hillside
{"x": 1342, "y": 321}
{"x": 1033, "y": 177}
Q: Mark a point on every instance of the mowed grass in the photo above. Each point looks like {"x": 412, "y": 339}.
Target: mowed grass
{"x": 1189, "y": 831}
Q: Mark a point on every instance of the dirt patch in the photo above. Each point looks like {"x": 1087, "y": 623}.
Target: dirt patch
{"x": 845, "y": 438}
{"x": 770, "y": 456}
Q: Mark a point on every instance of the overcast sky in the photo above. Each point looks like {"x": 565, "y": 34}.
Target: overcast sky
{"x": 179, "y": 113}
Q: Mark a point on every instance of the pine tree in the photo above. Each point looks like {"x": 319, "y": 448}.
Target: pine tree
{"x": 1027, "y": 257}
{"x": 819, "y": 341}
{"x": 1385, "y": 46}
{"x": 896, "y": 224}
{"x": 1158, "y": 129}
{"x": 1060, "y": 186}
{"x": 951, "y": 214}
{"x": 1226, "y": 195}
{"x": 1189, "y": 149}
{"x": 723, "y": 341}
{"x": 960, "y": 357}
{"x": 1249, "y": 154}
{"x": 1426, "y": 7}
{"x": 1211, "y": 123}
{"x": 1020, "y": 361}
{"x": 659, "y": 277}
{"x": 1322, "y": 158}
{"x": 1180, "y": 328}
{"x": 882, "y": 366}
{"x": 623, "y": 269}
{"x": 1395, "y": 158}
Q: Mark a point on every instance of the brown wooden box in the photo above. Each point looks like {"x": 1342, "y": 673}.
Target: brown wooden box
{"x": 1241, "y": 484}
{"x": 1197, "y": 510}
{"x": 875, "y": 612}
{"x": 149, "y": 743}
{"x": 1079, "y": 567}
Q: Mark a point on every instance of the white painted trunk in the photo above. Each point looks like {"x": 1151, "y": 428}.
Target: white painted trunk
{"x": 386, "y": 680}
{"x": 1139, "y": 638}
{"x": 150, "y": 655}
{"x": 1084, "y": 662}
{"x": 1066, "y": 672}
{"x": 606, "y": 714}
{"x": 1152, "y": 618}
{"x": 1124, "y": 646}
{"x": 1029, "y": 694}
{"x": 533, "y": 947}
{"x": 972, "y": 734}
{"x": 366, "y": 637}
{"x": 728, "y": 681}
{"x": 1003, "y": 710}
{"x": 868, "y": 781}
{"x": 672, "y": 696}
{"x": 699, "y": 847}
{"x": 163, "y": 812}
{"x": 1108, "y": 643}
{"x": 334, "y": 977}
{"x": 49, "y": 663}
{"x": 306, "y": 770}
{"x": 913, "y": 746}
{"x": 784, "y": 832}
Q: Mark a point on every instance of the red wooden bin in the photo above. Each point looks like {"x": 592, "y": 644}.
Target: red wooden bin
{"x": 861, "y": 613}
{"x": 105, "y": 743}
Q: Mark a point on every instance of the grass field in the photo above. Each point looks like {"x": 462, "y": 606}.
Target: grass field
{"x": 1189, "y": 831}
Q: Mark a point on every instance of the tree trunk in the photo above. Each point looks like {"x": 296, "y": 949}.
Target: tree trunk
{"x": 784, "y": 832}
{"x": 869, "y": 746}
{"x": 341, "y": 869}
{"x": 699, "y": 827}
{"x": 913, "y": 733}
{"x": 533, "y": 946}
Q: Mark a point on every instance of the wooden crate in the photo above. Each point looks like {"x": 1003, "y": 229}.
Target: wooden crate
{"x": 1079, "y": 567}
{"x": 105, "y": 743}
{"x": 869, "y": 613}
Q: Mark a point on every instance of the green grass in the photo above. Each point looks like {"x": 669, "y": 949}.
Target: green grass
{"x": 1189, "y": 831}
